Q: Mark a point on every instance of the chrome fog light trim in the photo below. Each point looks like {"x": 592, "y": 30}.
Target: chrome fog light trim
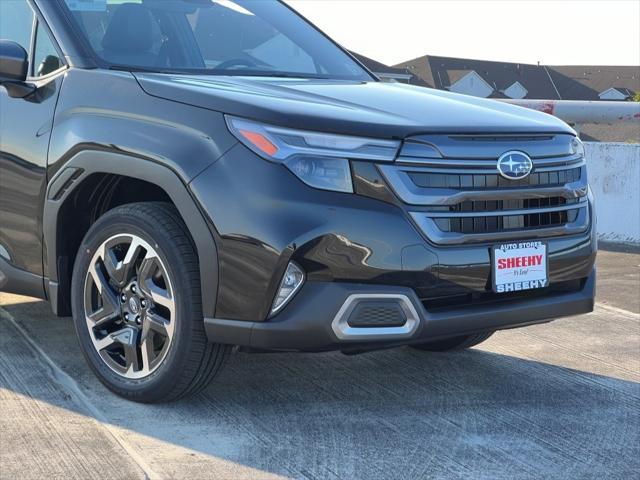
{"x": 344, "y": 331}
{"x": 291, "y": 282}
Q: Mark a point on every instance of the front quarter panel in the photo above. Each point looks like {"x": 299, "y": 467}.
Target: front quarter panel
{"x": 106, "y": 124}
{"x": 108, "y": 110}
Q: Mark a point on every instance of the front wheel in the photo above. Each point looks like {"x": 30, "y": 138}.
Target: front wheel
{"x": 454, "y": 343}
{"x": 137, "y": 305}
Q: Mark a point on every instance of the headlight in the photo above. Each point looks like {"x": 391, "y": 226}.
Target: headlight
{"x": 321, "y": 160}
{"x": 577, "y": 147}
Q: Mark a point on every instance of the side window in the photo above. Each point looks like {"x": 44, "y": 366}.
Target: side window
{"x": 16, "y": 22}
{"x": 46, "y": 59}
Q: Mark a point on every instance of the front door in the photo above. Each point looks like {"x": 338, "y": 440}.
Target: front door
{"x": 25, "y": 128}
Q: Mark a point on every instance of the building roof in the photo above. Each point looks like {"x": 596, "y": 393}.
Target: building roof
{"x": 587, "y": 82}
{"x": 455, "y": 75}
{"x": 625, "y": 91}
{"x": 421, "y": 69}
{"x": 541, "y": 82}
{"x": 378, "y": 67}
{"x": 442, "y": 72}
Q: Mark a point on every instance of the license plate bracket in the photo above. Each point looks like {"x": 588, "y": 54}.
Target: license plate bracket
{"x": 519, "y": 266}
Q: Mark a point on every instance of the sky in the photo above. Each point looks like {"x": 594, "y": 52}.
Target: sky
{"x": 554, "y": 32}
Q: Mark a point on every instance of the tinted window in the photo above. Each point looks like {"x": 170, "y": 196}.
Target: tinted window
{"x": 242, "y": 37}
{"x": 46, "y": 58}
{"x": 16, "y": 22}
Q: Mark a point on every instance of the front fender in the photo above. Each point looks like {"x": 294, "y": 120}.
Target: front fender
{"x": 89, "y": 162}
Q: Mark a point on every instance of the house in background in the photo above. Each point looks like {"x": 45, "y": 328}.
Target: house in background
{"x": 484, "y": 78}
{"x": 503, "y": 80}
{"x": 469, "y": 82}
{"x": 491, "y": 79}
{"x": 591, "y": 82}
{"x": 616, "y": 93}
{"x": 384, "y": 72}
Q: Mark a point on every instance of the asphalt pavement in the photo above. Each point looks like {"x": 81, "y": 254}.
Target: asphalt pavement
{"x": 559, "y": 400}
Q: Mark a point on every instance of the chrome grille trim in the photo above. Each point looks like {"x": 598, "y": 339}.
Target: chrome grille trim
{"x": 432, "y": 165}
{"x": 455, "y": 194}
{"x": 508, "y": 213}
{"x": 431, "y": 230}
{"x": 486, "y": 146}
{"x": 404, "y": 187}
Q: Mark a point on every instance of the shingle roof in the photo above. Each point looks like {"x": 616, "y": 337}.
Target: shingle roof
{"x": 541, "y": 82}
{"x": 586, "y": 82}
{"x": 442, "y": 72}
{"x": 455, "y": 75}
{"x": 376, "y": 66}
{"x": 625, "y": 91}
{"x": 421, "y": 69}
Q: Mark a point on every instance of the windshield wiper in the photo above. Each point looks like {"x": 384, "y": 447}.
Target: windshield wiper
{"x": 213, "y": 71}
{"x": 254, "y": 73}
{"x": 129, "y": 68}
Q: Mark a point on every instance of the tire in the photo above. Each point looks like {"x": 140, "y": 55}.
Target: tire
{"x": 137, "y": 305}
{"x": 454, "y": 343}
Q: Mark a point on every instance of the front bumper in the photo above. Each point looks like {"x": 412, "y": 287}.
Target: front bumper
{"x": 307, "y": 324}
{"x": 361, "y": 244}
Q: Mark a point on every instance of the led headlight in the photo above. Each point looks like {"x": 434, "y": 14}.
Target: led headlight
{"x": 577, "y": 147}
{"x": 321, "y": 160}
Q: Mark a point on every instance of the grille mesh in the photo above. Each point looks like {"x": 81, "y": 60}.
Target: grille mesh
{"x": 377, "y": 314}
{"x": 475, "y": 225}
{"x": 511, "y": 204}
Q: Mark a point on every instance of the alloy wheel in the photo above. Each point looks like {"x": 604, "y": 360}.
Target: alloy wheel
{"x": 129, "y": 306}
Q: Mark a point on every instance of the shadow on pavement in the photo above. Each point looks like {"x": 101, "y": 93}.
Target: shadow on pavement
{"x": 389, "y": 414}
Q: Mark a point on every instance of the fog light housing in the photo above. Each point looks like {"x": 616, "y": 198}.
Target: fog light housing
{"x": 291, "y": 282}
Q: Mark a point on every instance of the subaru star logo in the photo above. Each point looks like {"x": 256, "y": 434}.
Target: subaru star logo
{"x": 515, "y": 165}
{"x": 134, "y": 306}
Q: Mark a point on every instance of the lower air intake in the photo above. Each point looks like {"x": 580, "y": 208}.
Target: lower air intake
{"x": 377, "y": 314}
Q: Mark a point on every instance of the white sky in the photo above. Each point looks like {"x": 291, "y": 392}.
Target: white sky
{"x": 563, "y": 32}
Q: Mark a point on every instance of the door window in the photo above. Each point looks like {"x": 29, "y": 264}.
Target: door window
{"x": 46, "y": 59}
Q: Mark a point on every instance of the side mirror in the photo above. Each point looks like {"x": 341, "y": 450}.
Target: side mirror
{"x": 14, "y": 67}
{"x": 14, "y": 62}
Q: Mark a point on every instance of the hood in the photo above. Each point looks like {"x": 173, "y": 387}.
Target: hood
{"x": 373, "y": 109}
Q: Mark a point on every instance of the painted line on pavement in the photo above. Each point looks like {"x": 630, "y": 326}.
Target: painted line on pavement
{"x": 618, "y": 311}
{"x": 73, "y": 388}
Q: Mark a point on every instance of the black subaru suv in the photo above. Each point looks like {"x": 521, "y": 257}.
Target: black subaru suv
{"x": 185, "y": 176}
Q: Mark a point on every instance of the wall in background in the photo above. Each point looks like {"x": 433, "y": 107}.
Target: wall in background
{"x": 614, "y": 175}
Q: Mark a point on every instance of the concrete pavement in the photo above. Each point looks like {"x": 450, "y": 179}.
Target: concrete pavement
{"x": 560, "y": 400}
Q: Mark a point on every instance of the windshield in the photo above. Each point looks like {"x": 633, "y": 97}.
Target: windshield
{"x": 213, "y": 37}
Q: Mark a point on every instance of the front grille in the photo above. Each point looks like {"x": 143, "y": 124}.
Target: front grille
{"x": 478, "y": 181}
{"x": 510, "y": 204}
{"x": 502, "y": 223}
{"x": 453, "y": 191}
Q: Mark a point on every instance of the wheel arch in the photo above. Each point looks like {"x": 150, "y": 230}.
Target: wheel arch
{"x": 87, "y": 169}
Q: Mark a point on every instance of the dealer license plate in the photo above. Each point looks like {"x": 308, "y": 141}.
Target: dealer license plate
{"x": 519, "y": 266}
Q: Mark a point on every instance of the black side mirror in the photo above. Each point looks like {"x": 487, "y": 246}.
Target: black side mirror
{"x": 14, "y": 67}
{"x": 14, "y": 62}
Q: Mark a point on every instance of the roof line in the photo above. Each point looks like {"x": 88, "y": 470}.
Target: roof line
{"x": 471, "y": 72}
{"x": 552, "y": 82}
